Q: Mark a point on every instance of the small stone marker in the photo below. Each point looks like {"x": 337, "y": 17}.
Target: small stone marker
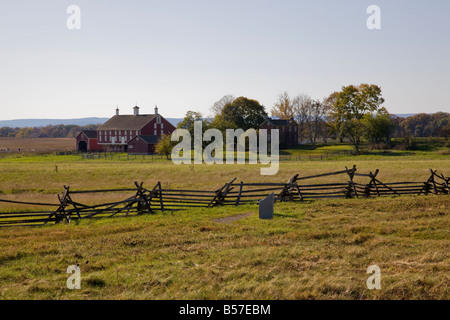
{"x": 266, "y": 207}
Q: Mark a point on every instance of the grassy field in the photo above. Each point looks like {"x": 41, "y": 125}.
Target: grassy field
{"x": 318, "y": 250}
{"x": 315, "y": 250}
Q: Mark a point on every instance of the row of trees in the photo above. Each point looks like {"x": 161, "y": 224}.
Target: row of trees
{"x": 356, "y": 114}
{"x": 311, "y": 115}
{"x": 58, "y": 131}
{"x": 423, "y": 125}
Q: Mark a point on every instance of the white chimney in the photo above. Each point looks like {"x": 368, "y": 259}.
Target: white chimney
{"x": 117, "y": 111}
{"x": 156, "y": 109}
{"x": 136, "y": 111}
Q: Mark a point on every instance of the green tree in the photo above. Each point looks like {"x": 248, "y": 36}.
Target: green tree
{"x": 242, "y": 113}
{"x": 189, "y": 122}
{"x": 24, "y": 133}
{"x": 165, "y": 146}
{"x": 445, "y": 131}
{"x": 351, "y": 105}
{"x": 190, "y": 118}
{"x": 221, "y": 124}
{"x": 379, "y": 126}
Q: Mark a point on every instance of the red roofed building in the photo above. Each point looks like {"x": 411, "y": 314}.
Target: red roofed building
{"x": 116, "y": 134}
{"x": 142, "y": 145}
{"x": 87, "y": 141}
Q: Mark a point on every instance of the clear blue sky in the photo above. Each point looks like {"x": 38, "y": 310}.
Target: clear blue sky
{"x": 184, "y": 55}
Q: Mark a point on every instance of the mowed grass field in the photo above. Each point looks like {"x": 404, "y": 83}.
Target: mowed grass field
{"x": 313, "y": 250}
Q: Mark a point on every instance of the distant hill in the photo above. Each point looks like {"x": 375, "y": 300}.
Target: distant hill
{"x": 22, "y": 123}
{"x": 405, "y": 115}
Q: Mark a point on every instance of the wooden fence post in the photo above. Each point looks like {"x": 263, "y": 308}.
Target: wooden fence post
{"x": 221, "y": 194}
{"x": 142, "y": 196}
{"x": 446, "y": 183}
{"x": 429, "y": 184}
{"x": 433, "y": 182}
{"x": 373, "y": 181}
{"x": 286, "y": 194}
{"x": 69, "y": 198}
{"x": 351, "y": 174}
{"x": 60, "y": 213}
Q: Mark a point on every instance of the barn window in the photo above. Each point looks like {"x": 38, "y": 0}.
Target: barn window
{"x": 162, "y": 125}
{"x": 158, "y": 119}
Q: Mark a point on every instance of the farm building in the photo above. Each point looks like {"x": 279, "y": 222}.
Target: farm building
{"x": 142, "y": 145}
{"x": 120, "y": 133}
{"x": 87, "y": 141}
{"x": 288, "y": 130}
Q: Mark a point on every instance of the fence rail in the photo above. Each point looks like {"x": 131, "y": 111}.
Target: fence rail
{"x": 141, "y": 200}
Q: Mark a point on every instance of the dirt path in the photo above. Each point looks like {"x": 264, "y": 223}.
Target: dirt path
{"x": 230, "y": 219}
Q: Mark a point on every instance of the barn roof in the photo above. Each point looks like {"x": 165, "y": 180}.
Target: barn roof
{"x": 149, "y": 139}
{"x": 127, "y": 122}
{"x": 91, "y": 134}
{"x": 279, "y": 122}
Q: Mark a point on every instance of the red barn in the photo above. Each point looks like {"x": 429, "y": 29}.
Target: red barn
{"x": 288, "y": 130}
{"x": 119, "y": 132}
{"x": 87, "y": 141}
{"x": 142, "y": 145}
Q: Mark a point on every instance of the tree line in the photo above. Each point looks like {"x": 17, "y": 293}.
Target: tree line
{"x": 355, "y": 114}
{"x": 58, "y": 131}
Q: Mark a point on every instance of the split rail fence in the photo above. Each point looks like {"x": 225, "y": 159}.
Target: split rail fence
{"x": 142, "y": 200}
